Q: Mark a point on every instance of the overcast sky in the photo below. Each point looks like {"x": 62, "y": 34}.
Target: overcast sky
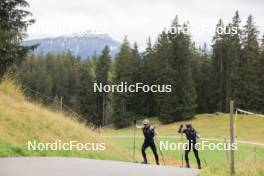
{"x": 138, "y": 19}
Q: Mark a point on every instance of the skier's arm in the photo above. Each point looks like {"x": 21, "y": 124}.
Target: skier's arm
{"x": 136, "y": 125}
{"x": 197, "y": 134}
{"x": 180, "y": 129}
{"x": 154, "y": 130}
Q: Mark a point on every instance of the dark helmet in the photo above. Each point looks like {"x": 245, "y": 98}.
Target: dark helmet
{"x": 189, "y": 125}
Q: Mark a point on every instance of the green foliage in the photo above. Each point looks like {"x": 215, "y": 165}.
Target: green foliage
{"x": 102, "y": 76}
{"x": 173, "y": 67}
{"x": 85, "y": 97}
{"x": 14, "y": 23}
{"x": 237, "y": 68}
{"x": 260, "y": 78}
{"x": 148, "y": 77}
{"x": 202, "y": 80}
{"x": 124, "y": 120}
{"x": 44, "y": 77}
{"x": 250, "y": 56}
{"x": 201, "y": 71}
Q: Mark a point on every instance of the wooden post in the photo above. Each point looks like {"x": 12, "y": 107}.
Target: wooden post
{"x": 232, "y": 138}
{"x": 61, "y": 104}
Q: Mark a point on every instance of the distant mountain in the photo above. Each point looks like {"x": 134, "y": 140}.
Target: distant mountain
{"x": 83, "y": 44}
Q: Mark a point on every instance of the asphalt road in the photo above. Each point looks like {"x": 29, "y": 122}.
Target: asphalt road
{"x": 55, "y": 166}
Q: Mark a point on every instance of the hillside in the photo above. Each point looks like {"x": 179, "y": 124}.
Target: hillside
{"x": 21, "y": 120}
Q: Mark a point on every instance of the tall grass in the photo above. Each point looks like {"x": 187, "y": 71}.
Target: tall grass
{"x": 21, "y": 121}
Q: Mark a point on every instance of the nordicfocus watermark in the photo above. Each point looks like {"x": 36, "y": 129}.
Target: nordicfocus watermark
{"x": 203, "y": 145}
{"x": 137, "y": 87}
{"x": 186, "y": 29}
{"x": 58, "y": 145}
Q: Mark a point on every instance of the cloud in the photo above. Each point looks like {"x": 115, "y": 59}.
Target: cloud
{"x": 138, "y": 19}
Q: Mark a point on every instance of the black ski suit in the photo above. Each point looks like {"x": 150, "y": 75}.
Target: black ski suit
{"x": 149, "y": 134}
{"x": 191, "y": 136}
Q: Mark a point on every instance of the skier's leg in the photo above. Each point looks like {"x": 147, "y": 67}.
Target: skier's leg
{"x": 154, "y": 150}
{"x": 187, "y": 150}
{"x": 143, "y": 151}
{"x": 196, "y": 154}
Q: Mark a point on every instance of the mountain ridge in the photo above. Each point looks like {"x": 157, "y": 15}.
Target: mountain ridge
{"x": 84, "y": 44}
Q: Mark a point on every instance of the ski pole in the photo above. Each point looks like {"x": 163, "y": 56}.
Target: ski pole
{"x": 156, "y": 139}
{"x": 203, "y": 156}
{"x": 134, "y": 141}
{"x": 182, "y": 151}
{"x": 205, "y": 162}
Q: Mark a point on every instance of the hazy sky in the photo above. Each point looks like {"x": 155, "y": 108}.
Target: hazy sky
{"x": 138, "y": 19}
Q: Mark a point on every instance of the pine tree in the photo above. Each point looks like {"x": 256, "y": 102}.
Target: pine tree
{"x": 102, "y": 76}
{"x": 260, "y": 79}
{"x": 123, "y": 72}
{"x": 163, "y": 75}
{"x": 13, "y": 25}
{"x": 136, "y": 98}
{"x": 85, "y": 97}
{"x": 235, "y": 63}
{"x": 173, "y": 59}
{"x": 250, "y": 55}
{"x": 201, "y": 70}
{"x": 226, "y": 64}
{"x": 148, "y": 77}
{"x": 181, "y": 62}
{"x": 218, "y": 63}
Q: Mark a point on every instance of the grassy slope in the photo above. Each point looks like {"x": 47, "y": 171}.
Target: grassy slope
{"x": 248, "y": 128}
{"x": 21, "y": 121}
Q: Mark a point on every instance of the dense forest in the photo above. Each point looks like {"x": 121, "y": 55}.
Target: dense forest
{"x": 203, "y": 79}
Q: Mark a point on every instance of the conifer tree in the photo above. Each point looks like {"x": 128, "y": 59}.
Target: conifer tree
{"x": 250, "y": 56}
{"x": 201, "y": 70}
{"x": 149, "y": 104}
{"x": 218, "y": 64}
{"x": 173, "y": 59}
{"x": 102, "y": 76}
{"x": 123, "y": 72}
{"x": 260, "y": 79}
{"x": 85, "y": 97}
{"x": 233, "y": 81}
{"x": 14, "y": 22}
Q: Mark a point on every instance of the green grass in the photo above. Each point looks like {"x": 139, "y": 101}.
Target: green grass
{"x": 248, "y": 128}
{"x": 21, "y": 121}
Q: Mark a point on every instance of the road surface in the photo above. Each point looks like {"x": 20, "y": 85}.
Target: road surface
{"x": 55, "y": 166}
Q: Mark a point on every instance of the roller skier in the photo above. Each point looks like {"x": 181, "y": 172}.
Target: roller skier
{"x": 149, "y": 134}
{"x": 191, "y": 135}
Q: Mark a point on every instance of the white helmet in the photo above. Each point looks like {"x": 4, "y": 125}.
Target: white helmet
{"x": 146, "y": 122}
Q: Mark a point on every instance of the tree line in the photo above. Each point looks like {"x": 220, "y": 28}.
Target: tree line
{"x": 203, "y": 79}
